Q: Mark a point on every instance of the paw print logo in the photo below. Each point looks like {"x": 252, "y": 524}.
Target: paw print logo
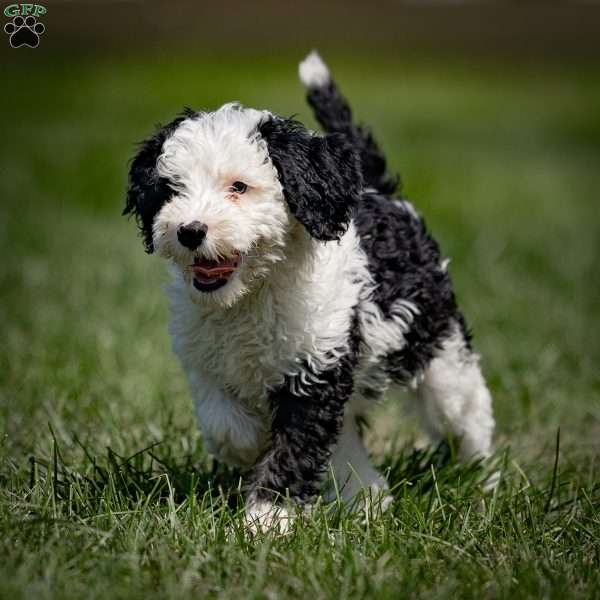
{"x": 24, "y": 31}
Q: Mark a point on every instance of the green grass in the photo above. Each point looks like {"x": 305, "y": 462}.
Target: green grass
{"x": 105, "y": 490}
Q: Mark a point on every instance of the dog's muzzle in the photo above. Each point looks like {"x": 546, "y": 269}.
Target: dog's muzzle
{"x": 210, "y": 275}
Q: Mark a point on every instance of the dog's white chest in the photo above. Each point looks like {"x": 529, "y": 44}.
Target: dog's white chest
{"x": 250, "y": 348}
{"x": 246, "y": 353}
{"x": 250, "y": 352}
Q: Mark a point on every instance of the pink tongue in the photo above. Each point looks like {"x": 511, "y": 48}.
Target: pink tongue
{"x": 212, "y": 273}
{"x": 212, "y": 268}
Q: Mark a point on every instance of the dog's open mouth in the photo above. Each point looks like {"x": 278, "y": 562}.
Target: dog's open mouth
{"x": 210, "y": 275}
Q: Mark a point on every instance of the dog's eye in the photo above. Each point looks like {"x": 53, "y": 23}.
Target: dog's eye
{"x": 238, "y": 187}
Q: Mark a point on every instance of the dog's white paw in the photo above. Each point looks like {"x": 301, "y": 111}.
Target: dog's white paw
{"x": 241, "y": 454}
{"x": 490, "y": 483}
{"x": 374, "y": 500}
{"x": 237, "y": 444}
{"x": 265, "y": 516}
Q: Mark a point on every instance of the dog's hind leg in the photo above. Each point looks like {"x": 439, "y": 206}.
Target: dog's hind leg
{"x": 452, "y": 398}
{"x": 352, "y": 468}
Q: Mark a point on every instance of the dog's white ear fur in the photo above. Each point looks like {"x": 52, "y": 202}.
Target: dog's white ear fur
{"x": 313, "y": 71}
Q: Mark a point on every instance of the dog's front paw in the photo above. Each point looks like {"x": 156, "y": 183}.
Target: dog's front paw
{"x": 262, "y": 516}
{"x": 491, "y": 482}
{"x": 377, "y": 500}
{"x": 372, "y": 501}
{"x": 237, "y": 444}
{"x": 238, "y": 454}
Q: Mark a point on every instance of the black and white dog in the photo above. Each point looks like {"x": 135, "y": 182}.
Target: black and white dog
{"x": 301, "y": 289}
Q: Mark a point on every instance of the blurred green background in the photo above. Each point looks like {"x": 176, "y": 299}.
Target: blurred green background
{"x": 492, "y": 122}
{"x": 490, "y": 113}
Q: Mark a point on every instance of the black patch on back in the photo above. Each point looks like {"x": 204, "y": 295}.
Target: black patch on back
{"x": 320, "y": 176}
{"x": 404, "y": 261}
{"x": 148, "y": 191}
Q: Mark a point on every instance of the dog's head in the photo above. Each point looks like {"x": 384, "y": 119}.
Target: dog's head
{"x": 219, "y": 194}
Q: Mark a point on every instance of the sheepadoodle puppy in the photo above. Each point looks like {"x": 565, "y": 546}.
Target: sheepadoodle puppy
{"x": 302, "y": 288}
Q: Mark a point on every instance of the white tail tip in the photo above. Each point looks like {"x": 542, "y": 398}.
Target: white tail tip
{"x": 313, "y": 71}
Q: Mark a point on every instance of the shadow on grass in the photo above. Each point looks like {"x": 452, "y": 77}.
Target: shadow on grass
{"x": 152, "y": 474}
{"x": 159, "y": 472}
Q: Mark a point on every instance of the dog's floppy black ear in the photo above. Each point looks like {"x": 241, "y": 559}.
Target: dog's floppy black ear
{"x": 147, "y": 191}
{"x": 320, "y": 176}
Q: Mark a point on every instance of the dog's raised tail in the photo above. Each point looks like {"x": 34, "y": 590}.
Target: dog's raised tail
{"x": 333, "y": 112}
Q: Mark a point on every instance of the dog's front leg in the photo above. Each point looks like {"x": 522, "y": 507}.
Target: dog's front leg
{"x": 232, "y": 433}
{"x": 308, "y": 412}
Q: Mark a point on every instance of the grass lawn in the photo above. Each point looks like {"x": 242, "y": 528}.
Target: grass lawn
{"x": 105, "y": 490}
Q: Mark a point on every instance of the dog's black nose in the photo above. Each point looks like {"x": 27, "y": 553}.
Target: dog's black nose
{"x": 191, "y": 235}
